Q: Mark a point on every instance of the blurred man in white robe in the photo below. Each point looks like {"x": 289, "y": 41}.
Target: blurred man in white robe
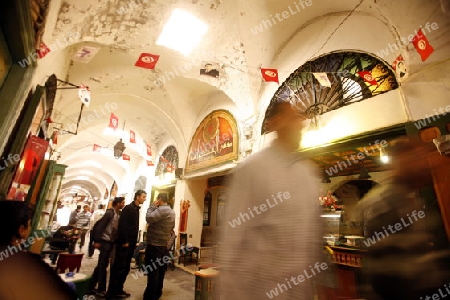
{"x": 271, "y": 240}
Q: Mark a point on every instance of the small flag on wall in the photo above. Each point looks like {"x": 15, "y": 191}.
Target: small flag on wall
{"x": 132, "y": 137}
{"x": 147, "y": 61}
{"x": 367, "y": 76}
{"x": 43, "y": 50}
{"x": 149, "y": 150}
{"x": 422, "y": 46}
{"x": 322, "y": 78}
{"x": 150, "y": 163}
{"x": 113, "y": 121}
{"x": 97, "y": 148}
{"x": 270, "y": 75}
{"x": 125, "y": 157}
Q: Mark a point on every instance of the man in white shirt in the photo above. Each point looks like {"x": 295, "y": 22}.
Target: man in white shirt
{"x": 272, "y": 232}
{"x": 83, "y": 220}
{"x": 96, "y": 215}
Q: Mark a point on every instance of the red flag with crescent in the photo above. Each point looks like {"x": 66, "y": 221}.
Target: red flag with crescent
{"x": 147, "y": 61}
{"x": 270, "y": 75}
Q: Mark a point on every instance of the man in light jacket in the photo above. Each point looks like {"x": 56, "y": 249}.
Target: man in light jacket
{"x": 161, "y": 221}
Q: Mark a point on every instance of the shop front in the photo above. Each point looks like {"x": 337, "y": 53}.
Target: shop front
{"x": 213, "y": 152}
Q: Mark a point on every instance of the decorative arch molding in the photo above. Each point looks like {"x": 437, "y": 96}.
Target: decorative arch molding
{"x": 353, "y": 76}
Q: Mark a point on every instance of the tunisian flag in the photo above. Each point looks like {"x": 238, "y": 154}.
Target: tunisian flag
{"x": 125, "y": 157}
{"x": 43, "y": 50}
{"x": 132, "y": 137}
{"x": 147, "y": 61}
{"x": 422, "y": 45}
{"x": 97, "y": 148}
{"x": 367, "y": 76}
{"x": 149, "y": 150}
{"x": 270, "y": 75}
{"x": 150, "y": 163}
{"x": 113, "y": 121}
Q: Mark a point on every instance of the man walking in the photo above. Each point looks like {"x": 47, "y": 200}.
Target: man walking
{"x": 74, "y": 216}
{"x": 125, "y": 244}
{"x": 104, "y": 234}
{"x": 161, "y": 221}
{"x": 272, "y": 230}
{"x": 83, "y": 220}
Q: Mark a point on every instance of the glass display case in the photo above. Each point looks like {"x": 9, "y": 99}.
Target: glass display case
{"x": 332, "y": 221}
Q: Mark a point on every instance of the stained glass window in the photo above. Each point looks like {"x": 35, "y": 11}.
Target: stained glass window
{"x": 347, "y": 86}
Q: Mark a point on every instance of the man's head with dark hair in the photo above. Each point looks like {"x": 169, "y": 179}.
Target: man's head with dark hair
{"x": 78, "y": 207}
{"x": 162, "y": 198}
{"x": 14, "y": 218}
{"x": 117, "y": 200}
{"x": 140, "y": 196}
{"x": 286, "y": 120}
{"x": 139, "y": 193}
{"x": 100, "y": 206}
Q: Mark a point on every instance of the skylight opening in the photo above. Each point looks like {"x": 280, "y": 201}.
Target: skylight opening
{"x": 182, "y": 32}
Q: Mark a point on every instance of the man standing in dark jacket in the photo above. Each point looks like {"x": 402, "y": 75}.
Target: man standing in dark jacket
{"x": 125, "y": 244}
{"x": 104, "y": 234}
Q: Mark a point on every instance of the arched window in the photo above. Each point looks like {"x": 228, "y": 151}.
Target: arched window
{"x": 168, "y": 161}
{"x": 345, "y": 71}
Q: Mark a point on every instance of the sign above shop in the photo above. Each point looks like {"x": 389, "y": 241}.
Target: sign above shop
{"x": 215, "y": 142}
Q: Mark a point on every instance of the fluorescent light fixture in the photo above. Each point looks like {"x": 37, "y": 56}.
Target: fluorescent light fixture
{"x": 182, "y": 32}
{"x": 383, "y": 156}
{"x": 82, "y": 177}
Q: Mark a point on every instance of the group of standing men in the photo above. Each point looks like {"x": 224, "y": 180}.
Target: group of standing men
{"x": 118, "y": 230}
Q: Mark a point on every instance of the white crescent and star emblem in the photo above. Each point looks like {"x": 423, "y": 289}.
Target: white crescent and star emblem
{"x": 270, "y": 73}
{"x": 147, "y": 59}
{"x": 368, "y": 77}
{"x": 114, "y": 122}
{"x": 422, "y": 44}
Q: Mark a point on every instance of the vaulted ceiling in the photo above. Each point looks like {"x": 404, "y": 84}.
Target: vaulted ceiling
{"x": 242, "y": 37}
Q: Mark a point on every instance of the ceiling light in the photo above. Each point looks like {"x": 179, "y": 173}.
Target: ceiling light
{"x": 119, "y": 147}
{"x": 364, "y": 174}
{"x": 383, "y": 156}
{"x": 182, "y": 32}
{"x": 82, "y": 178}
{"x": 325, "y": 177}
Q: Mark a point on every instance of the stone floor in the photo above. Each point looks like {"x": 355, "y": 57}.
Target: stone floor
{"x": 178, "y": 284}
